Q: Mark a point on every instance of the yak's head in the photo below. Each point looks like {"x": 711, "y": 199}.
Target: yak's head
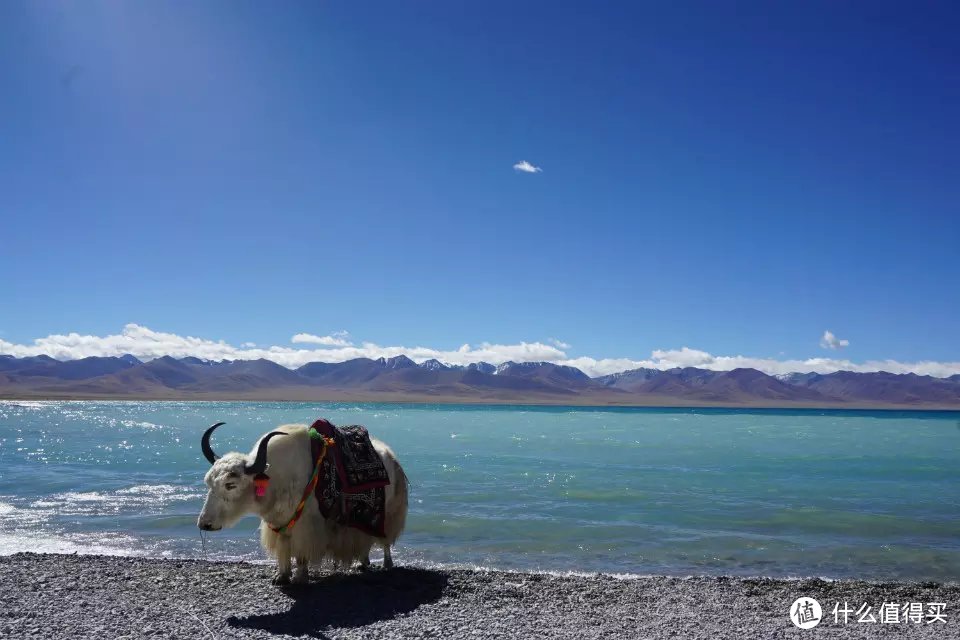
{"x": 230, "y": 481}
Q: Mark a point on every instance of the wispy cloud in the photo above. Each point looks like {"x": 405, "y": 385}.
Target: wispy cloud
{"x": 525, "y": 167}
{"x": 336, "y": 339}
{"x": 830, "y": 341}
{"x": 685, "y": 357}
{"x": 147, "y": 344}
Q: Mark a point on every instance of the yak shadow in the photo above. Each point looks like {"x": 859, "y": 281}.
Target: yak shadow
{"x": 349, "y": 600}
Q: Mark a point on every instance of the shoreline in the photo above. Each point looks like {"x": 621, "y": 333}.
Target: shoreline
{"x": 412, "y": 400}
{"x": 52, "y": 596}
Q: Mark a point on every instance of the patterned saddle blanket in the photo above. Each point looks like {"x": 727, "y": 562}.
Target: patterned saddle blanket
{"x": 350, "y": 489}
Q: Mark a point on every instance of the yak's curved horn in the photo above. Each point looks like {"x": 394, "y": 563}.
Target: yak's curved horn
{"x": 205, "y": 443}
{"x": 260, "y": 464}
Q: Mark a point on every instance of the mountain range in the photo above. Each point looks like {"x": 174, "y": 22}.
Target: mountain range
{"x": 402, "y": 379}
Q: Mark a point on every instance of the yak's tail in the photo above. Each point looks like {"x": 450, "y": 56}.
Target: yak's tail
{"x": 397, "y": 517}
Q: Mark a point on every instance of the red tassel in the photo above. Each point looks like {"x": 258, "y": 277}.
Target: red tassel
{"x": 260, "y": 483}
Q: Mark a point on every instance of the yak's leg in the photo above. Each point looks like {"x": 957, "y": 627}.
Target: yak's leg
{"x": 387, "y": 558}
{"x": 282, "y": 576}
{"x": 364, "y": 561}
{"x": 302, "y": 575}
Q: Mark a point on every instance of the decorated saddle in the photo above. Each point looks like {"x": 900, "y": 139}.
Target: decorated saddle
{"x": 350, "y": 487}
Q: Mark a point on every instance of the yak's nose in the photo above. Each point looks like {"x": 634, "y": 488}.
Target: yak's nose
{"x": 206, "y": 526}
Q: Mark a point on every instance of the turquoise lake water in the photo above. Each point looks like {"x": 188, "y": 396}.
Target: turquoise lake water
{"x": 638, "y": 491}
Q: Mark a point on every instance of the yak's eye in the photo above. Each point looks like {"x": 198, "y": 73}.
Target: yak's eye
{"x": 230, "y": 486}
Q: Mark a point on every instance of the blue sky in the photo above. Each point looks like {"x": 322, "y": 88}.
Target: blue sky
{"x": 735, "y": 179}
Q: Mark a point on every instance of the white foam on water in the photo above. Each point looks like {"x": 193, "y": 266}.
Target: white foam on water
{"x": 149, "y": 426}
{"x": 162, "y": 491}
{"x": 17, "y": 516}
{"x": 87, "y": 544}
{"x": 144, "y": 498}
{"x": 85, "y": 496}
{"x": 32, "y": 405}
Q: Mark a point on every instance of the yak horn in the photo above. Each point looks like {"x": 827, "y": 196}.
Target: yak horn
{"x": 205, "y": 444}
{"x": 260, "y": 464}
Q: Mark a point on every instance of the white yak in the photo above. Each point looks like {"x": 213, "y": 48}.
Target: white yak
{"x": 313, "y": 538}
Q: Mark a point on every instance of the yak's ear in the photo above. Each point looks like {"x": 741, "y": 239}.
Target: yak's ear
{"x": 260, "y": 463}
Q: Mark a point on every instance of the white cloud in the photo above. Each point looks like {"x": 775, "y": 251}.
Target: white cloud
{"x": 559, "y": 344}
{"x": 830, "y": 341}
{"x": 525, "y": 167}
{"x": 336, "y": 339}
{"x": 605, "y": 366}
{"x": 146, "y": 344}
{"x": 685, "y": 357}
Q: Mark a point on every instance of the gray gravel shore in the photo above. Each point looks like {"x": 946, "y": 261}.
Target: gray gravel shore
{"x": 66, "y": 596}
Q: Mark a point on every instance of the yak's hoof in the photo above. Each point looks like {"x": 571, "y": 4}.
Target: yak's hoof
{"x": 300, "y": 578}
{"x": 281, "y": 578}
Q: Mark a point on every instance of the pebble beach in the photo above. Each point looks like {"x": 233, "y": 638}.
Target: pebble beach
{"x": 76, "y": 596}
